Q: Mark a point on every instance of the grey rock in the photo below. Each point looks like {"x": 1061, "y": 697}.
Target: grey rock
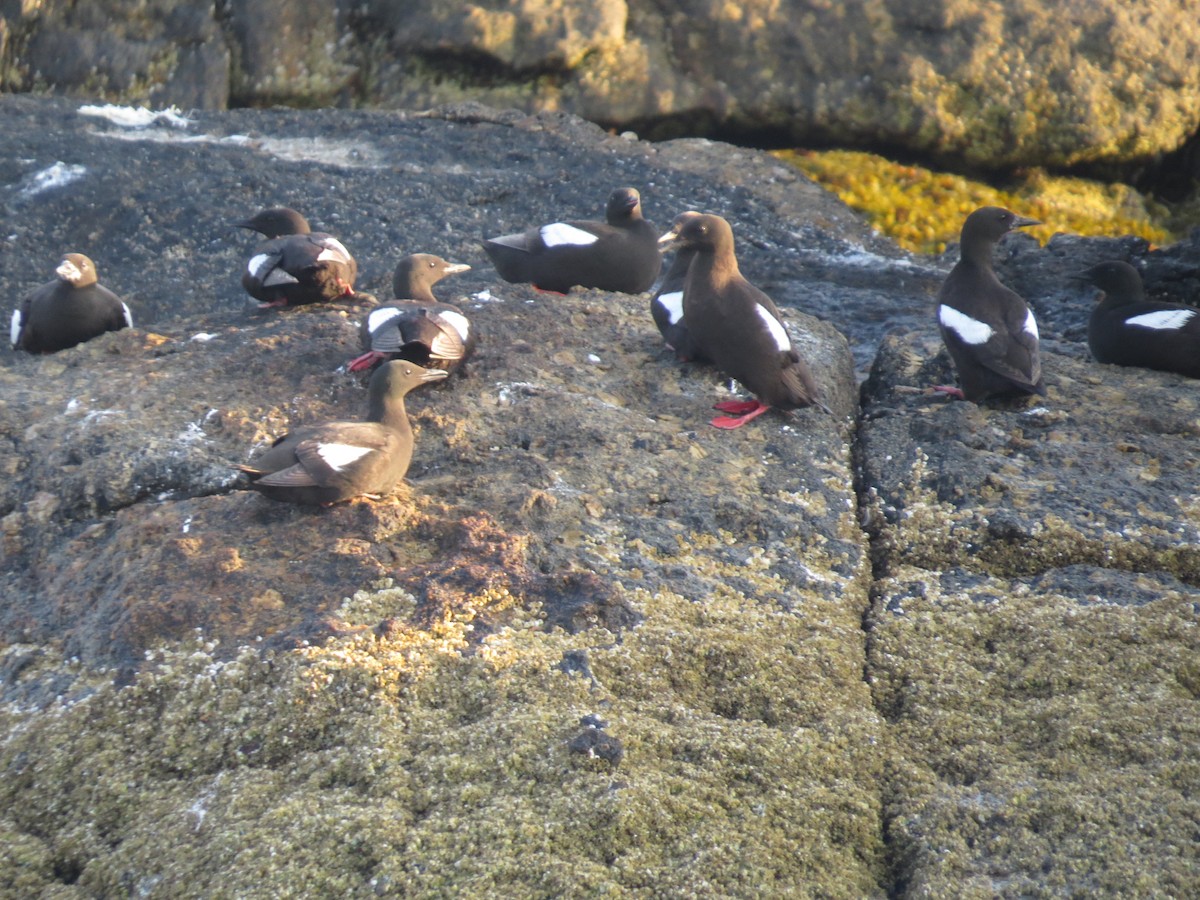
{"x": 121, "y": 452}
{"x": 970, "y": 628}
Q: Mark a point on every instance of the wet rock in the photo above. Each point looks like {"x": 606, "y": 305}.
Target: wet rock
{"x": 120, "y": 452}
{"x": 1098, "y": 474}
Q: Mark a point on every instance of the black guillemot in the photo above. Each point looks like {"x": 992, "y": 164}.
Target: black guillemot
{"x": 72, "y": 309}
{"x": 619, "y": 254}
{"x": 666, "y": 306}
{"x": 335, "y": 461}
{"x": 737, "y": 326}
{"x": 1126, "y": 329}
{"x": 416, "y": 326}
{"x": 990, "y": 331}
{"x": 295, "y": 265}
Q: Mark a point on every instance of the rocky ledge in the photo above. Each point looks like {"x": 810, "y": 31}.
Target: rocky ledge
{"x": 914, "y": 647}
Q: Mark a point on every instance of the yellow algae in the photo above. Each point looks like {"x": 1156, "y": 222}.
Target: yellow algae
{"x": 923, "y": 210}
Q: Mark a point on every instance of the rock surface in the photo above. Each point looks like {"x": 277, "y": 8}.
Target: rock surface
{"x": 916, "y": 646}
{"x": 1027, "y": 82}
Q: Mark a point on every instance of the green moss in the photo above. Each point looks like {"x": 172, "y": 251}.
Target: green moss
{"x": 923, "y": 210}
{"x": 433, "y": 762}
{"x": 1051, "y": 745}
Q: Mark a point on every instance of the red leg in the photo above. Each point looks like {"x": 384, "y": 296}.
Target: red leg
{"x": 729, "y": 423}
{"x": 949, "y": 390}
{"x": 366, "y": 361}
{"x": 737, "y": 407}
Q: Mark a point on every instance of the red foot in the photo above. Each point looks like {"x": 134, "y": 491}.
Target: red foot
{"x": 949, "y": 390}
{"x": 271, "y": 304}
{"x": 542, "y": 290}
{"x": 737, "y": 407}
{"x": 366, "y": 361}
{"x": 728, "y": 422}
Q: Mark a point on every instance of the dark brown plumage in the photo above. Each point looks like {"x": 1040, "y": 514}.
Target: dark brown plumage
{"x": 737, "y": 326}
{"x": 989, "y": 330}
{"x": 69, "y": 310}
{"x": 666, "y": 306}
{"x": 619, "y": 254}
{"x": 296, "y": 266}
{"x": 1126, "y": 329}
{"x": 416, "y": 326}
{"x": 335, "y": 461}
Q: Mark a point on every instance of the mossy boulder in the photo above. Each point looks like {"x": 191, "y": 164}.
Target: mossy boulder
{"x": 984, "y": 86}
{"x": 594, "y": 645}
{"x": 1031, "y": 640}
{"x": 389, "y": 695}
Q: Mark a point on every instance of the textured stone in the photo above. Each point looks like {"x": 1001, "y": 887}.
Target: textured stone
{"x": 994, "y": 85}
{"x": 936, "y": 648}
{"x": 162, "y": 52}
{"x": 1033, "y": 631}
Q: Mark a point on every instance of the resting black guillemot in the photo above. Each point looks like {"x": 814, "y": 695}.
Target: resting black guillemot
{"x": 737, "y": 326}
{"x": 619, "y": 254}
{"x": 416, "y": 326}
{"x": 1126, "y": 329}
{"x": 335, "y": 461}
{"x": 296, "y": 266}
{"x": 69, "y": 310}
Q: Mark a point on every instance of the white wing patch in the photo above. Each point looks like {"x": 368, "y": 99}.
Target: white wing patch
{"x": 1031, "y": 325}
{"x": 259, "y": 265}
{"x": 1163, "y": 319}
{"x": 444, "y": 347}
{"x": 971, "y": 331}
{"x": 16, "y": 326}
{"x": 338, "y": 456}
{"x": 333, "y": 250}
{"x": 128, "y": 315}
{"x": 561, "y": 234}
{"x": 775, "y": 327}
{"x": 457, "y": 321}
{"x": 673, "y": 304}
{"x": 380, "y": 317}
